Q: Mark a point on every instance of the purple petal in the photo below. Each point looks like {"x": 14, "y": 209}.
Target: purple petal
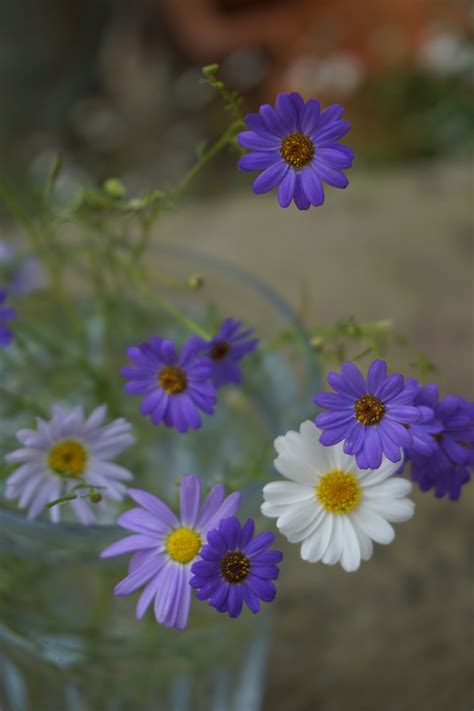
{"x": 391, "y": 387}
{"x": 251, "y": 600}
{"x": 334, "y": 157}
{"x": 330, "y": 133}
{"x": 270, "y": 177}
{"x": 219, "y": 599}
{"x": 376, "y": 375}
{"x": 228, "y": 508}
{"x": 299, "y": 196}
{"x": 235, "y": 600}
{"x": 333, "y": 436}
{"x": 354, "y": 378}
{"x": 257, "y": 142}
{"x": 140, "y": 576}
{"x": 264, "y": 589}
{"x": 372, "y": 447}
{"x": 332, "y": 176}
{"x": 272, "y": 121}
{"x": 155, "y": 506}
{"x": 230, "y": 529}
{"x": 246, "y": 533}
{"x": 142, "y": 521}
{"x": 333, "y": 401}
{"x": 310, "y": 116}
{"x": 312, "y": 186}
{"x": 403, "y": 413}
{"x": 213, "y": 501}
{"x": 287, "y": 111}
{"x": 126, "y": 545}
{"x": 258, "y": 161}
{"x": 287, "y": 188}
{"x": 259, "y": 543}
{"x": 190, "y": 498}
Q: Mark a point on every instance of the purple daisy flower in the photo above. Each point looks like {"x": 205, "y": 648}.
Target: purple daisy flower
{"x": 236, "y": 568}
{"x": 369, "y": 415}
{"x": 447, "y": 467}
{"x": 175, "y": 388}
{"x": 296, "y": 146}
{"x": 6, "y": 315}
{"x": 226, "y": 349}
{"x": 165, "y": 547}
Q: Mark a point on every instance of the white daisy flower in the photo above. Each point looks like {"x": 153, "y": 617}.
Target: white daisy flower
{"x": 63, "y": 452}
{"x": 335, "y": 508}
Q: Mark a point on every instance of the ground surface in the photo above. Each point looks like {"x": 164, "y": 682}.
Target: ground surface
{"x": 396, "y": 635}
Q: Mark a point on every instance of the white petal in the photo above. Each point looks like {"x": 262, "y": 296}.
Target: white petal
{"x": 285, "y": 492}
{"x": 396, "y": 510}
{"x": 338, "y": 459}
{"x": 298, "y": 515}
{"x": 374, "y": 525}
{"x": 272, "y": 510}
{"x": 368, "y": 477}
{"x": 393, "y": 488}
{"x": 334, "y": 549}
{"x": 365, "y": 542}
{"x": 315, "y": 546}
{"x": 296, "y": 469}
{"x": 350, "y": 559}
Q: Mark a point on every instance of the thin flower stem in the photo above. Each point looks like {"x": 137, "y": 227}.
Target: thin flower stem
{"x": 213, "y": 151}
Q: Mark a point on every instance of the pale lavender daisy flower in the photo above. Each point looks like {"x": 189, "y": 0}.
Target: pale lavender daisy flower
{"x": 165, "y": 547}
{"x": 64, "y": 452}
{"x": 296, "y": 147}
{"x": 175, "y": 388}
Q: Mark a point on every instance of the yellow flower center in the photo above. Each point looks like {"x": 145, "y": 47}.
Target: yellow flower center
{"x": 297, "y": 149}
{"x": 235, "y": 566}
{"x": 172, "y": 380}
{"x": 219, "y": 350}
{"x": 339, "y": 492}
{"x": 369, "y": 410}
{"x": 68, "y": 458}
{"x": 183, "y": 545}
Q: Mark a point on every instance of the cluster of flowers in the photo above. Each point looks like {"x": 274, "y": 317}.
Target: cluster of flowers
{"x": 403, "y": 420}
{"x": 175, "y": 388}
{"x": 340, "y": 491}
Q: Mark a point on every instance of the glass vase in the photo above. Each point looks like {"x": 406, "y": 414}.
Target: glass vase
{"x": 66, "y": 643}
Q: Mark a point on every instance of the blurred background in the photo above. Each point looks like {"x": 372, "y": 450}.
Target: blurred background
{"x": 114, "y": 86}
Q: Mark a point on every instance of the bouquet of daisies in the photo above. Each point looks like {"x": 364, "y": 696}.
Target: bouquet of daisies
{"x": 342, "y": 480}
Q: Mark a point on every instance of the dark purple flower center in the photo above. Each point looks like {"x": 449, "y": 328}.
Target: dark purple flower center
{"x": 219, "y": 350}
{"x": 369, "y": 410}
{"x": 172, "y": 380}
{"x": 235, "y": 566}
{"x": 297, "y": 149}
{"x": 439, "y": 437}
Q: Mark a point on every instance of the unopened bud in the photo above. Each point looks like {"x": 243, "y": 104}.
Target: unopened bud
{"x": 114, "y": 188}
{"x": 195, "y": 281}
{"x": 95, "y": 497}
{"x": 210, "y": 70}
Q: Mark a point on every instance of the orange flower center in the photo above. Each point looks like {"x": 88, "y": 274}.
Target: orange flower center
{"x": 172, "y": 380}
{"x": 369, "y": 410}
{"x": 297, "y": 149}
